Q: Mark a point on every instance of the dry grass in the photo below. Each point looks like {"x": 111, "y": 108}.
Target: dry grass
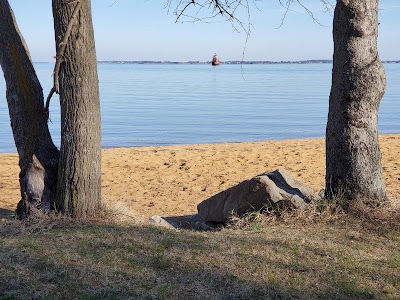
{"x": 320, "y": 253}
{"x": 310, "y": 256}
{"x": 337, "y": 210}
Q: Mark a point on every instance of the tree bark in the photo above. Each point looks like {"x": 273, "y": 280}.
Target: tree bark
{"x": 38, "y": 157}
{"x": 353, "y": 158}
{"x": 79, "y": 172}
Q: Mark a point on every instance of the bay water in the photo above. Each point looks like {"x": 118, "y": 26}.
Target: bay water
{"x": 168, "y": 104}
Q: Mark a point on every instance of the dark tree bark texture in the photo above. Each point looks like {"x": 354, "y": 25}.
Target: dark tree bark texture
{"x": 38, "y": 157}
{"x": 353, "y": 158}
{"x": 79, "y": 172}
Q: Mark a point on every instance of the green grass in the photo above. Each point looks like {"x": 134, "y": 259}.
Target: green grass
{"x": 342, "y": 259}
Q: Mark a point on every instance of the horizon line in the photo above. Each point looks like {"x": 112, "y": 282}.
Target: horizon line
{"x": 310, "y": 61}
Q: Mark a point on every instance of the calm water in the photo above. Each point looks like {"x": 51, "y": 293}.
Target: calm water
{"x": 185, "y": 104}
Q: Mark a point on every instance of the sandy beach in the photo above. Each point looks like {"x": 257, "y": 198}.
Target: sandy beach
{"x": 172, "y": 180}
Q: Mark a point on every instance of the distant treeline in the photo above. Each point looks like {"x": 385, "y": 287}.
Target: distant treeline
{"x": 235, "y": 62}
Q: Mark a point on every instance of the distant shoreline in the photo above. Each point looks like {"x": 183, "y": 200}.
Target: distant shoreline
{"x": 230, "y": 62}
{"x": 234, "y": 62}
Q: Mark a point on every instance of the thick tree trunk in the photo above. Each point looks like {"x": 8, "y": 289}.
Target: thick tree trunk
{"x": 353, "y": 158}
{"x": 79, "y": 172}
{"x": 38, "y": 157}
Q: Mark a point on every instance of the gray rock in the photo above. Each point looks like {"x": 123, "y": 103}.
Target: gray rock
{"x": 161, "y": 221}
{"x": 275, "y": 190}
{"x": 191, "y": 222}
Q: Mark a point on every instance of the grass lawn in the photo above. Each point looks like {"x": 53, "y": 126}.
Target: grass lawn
{"x": 341, "y": 259}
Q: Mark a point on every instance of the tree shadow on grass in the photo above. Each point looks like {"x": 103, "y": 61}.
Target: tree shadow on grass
{"x": 7, "y": 214}
{"x": 97, "y": 261}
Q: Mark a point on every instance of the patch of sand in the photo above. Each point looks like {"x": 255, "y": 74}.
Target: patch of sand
{"x": 172, "y": 180}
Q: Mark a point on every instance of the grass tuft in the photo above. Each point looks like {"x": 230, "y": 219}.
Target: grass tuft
{"x": 322, "y": 252}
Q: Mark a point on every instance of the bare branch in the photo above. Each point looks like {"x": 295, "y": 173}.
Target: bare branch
{"x": 310, "y": 13}
{"x": 59, "y": 58}
{"x": 231, "y": 11}
{"x": 62, "y": 46}
{"x": 46, "y": 107}
{"x": 199, "y": 11}
{"x": 327, "y": 7}
{"x": 287, "y": 8}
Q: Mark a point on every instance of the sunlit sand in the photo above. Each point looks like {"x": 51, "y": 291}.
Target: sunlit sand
{"x": 172, "y": 180}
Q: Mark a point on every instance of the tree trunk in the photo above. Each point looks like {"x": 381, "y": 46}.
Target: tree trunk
{"x": 38, "y": 157}
{"x": 79, "y": 172}
{"x": 353, "y": 158}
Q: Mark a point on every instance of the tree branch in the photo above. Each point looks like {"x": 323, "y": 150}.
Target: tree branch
{"x": 327, "y": 7}
{"x": 59, "y": 58}
{"x": 227, "y": 9}
{"x": 231, "y": 11}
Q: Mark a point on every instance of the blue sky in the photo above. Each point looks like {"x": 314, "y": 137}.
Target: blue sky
{"x": 145, "y": 30}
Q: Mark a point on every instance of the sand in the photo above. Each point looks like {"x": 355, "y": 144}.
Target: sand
{"x": 172, "y": 180}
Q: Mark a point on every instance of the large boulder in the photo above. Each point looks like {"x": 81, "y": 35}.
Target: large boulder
{"x": 275, "y": 190}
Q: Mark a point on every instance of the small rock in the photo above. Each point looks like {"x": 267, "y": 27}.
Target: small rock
{"x": 161, "y": 221}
